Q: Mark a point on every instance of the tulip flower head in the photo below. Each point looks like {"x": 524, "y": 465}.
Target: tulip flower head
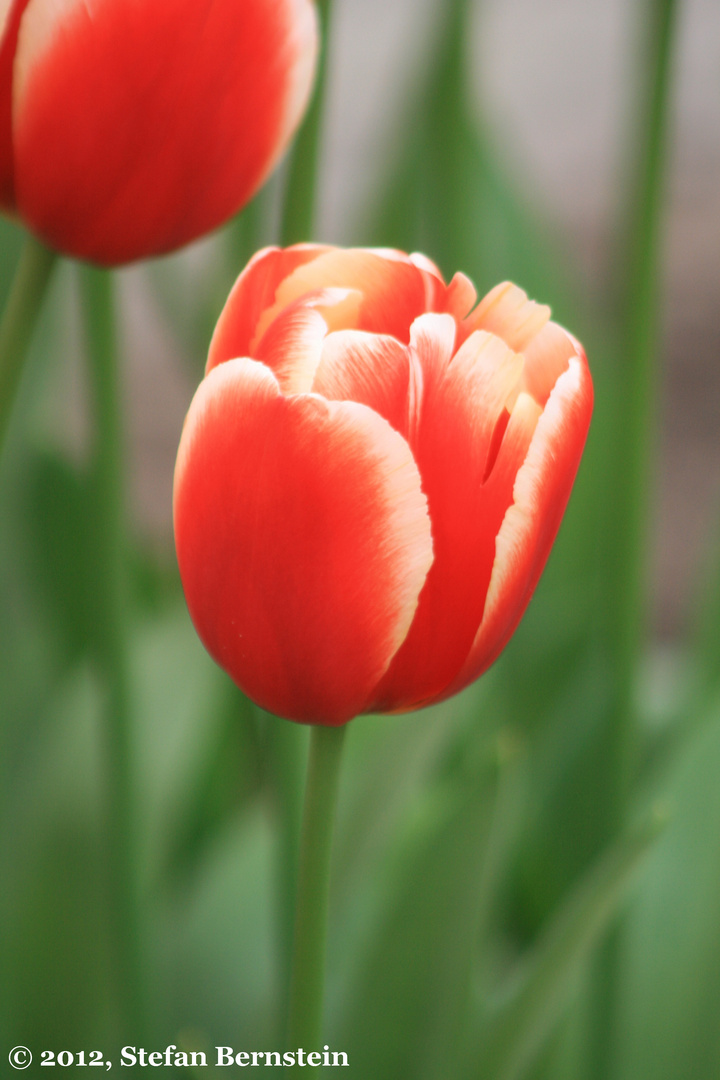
{"x": 130, "y": 127}
{"x": 370, "y": 478}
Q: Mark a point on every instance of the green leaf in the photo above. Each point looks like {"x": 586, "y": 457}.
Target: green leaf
{"x": 227, "y": 778}
{"x": 410, "y": 998}
{"x": 707, "y": 628}
{"x": 670, "y": 990}
{"x": 58, "y": 508}
{"x": 55, "y": 950}
{"x": 11, "y": 238}
{"x": 523, "y": 1017}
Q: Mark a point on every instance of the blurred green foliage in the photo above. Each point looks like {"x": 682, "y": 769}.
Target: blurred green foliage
{"x": 476, "y": 866}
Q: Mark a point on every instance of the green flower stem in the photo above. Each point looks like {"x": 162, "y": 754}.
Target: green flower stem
{"x": 637, "y": 384}
{"x": 246, "y": 230}
{"x": 299, "y": 208}
{"x": 18, "y": 321}
{"x": 288, "y": 748}
{"x": 636, "y": 409}
{"x": 288, "y": 753}
{"x": 111, "y": 643}
{"x": 308, "y": 972}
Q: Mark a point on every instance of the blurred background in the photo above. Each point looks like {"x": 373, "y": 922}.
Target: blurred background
{"x": 498, "y": 909}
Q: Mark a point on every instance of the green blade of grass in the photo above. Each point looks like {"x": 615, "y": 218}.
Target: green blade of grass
{"x": 524, "y": 1017}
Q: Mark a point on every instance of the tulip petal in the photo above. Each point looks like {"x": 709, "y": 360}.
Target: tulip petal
{"x": 372, "y": 369}
{"x": 138, "y": 127}
{"x": 292, "y": 344}
{"x": 303, "y": 541}
{"x": 5, "y": 8}
{"x": 546, "y": 357}
{"x": 541, "y": 492}
{"x": 462, "y": 402}
{"x": 393, "y": 288}
{"x": 507, "y": 312}
{"x": 10, "y": 14}
{"x": 435, "y": 287}
{"x": 461, "y": 296}
{"x": 254, "y": 292}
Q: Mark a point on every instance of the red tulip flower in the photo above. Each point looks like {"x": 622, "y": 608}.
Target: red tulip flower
{"x": 370, "y": 478}
{"x": 128, "y": 129}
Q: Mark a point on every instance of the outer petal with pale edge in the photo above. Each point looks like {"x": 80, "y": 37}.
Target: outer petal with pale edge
{"x": 392, "y": 288}
{"x": 449, "y": 408}
{"x": 303, "y": 541}
{"x": 140, "y": 126}
{"x": 252, "y": 293}
{"x": 461, "y": 401}
{"x": 542, "y": 488}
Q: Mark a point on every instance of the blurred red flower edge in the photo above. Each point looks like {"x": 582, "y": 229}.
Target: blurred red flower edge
{"x": 128, "y": 131}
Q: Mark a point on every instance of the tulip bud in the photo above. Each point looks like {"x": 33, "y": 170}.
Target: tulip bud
{"x": 128, "y": 129}
{"x": 370, "y": 478}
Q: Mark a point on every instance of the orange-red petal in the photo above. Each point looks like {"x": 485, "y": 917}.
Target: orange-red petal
{"x": 292, "y": 344}
{"x": 303, "y": 541}
{"x": 395, "y": 291}
{"x": 462, "y": 400}
{"x": 373, "y": 369}
{"x": 507, "y": 312}
{"x": 541, "y": 492}
{"x": 251, "y": 295}
{"x": 10, "y": 15}
{"x": 138, "y": 127}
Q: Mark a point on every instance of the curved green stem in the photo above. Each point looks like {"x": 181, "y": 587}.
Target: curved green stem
{"x": 111, "y": 642}
{"x": 18, "y": 321}
{"x": 308, "y": 973}
{"x": 636, "y": 410}
{"x": 299, "y": 208}
{"x": 637, "y": 390}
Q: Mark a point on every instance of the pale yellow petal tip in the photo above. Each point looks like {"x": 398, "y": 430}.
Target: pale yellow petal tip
{"x": 507, "y": 312}
{"x": 5, "y": 6}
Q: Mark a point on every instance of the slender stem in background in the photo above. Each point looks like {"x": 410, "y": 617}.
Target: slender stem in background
{"x": 299, "y": 208}
{"x": 246, "y": 230}
{"x": 637, "y": 382}
{"x": 308, "y": 972}
{"x": 447, "y": 133}
{"x": 636, "y": 410}
{"x": 111, "y": 642}
{"x": 18, "y": 321}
